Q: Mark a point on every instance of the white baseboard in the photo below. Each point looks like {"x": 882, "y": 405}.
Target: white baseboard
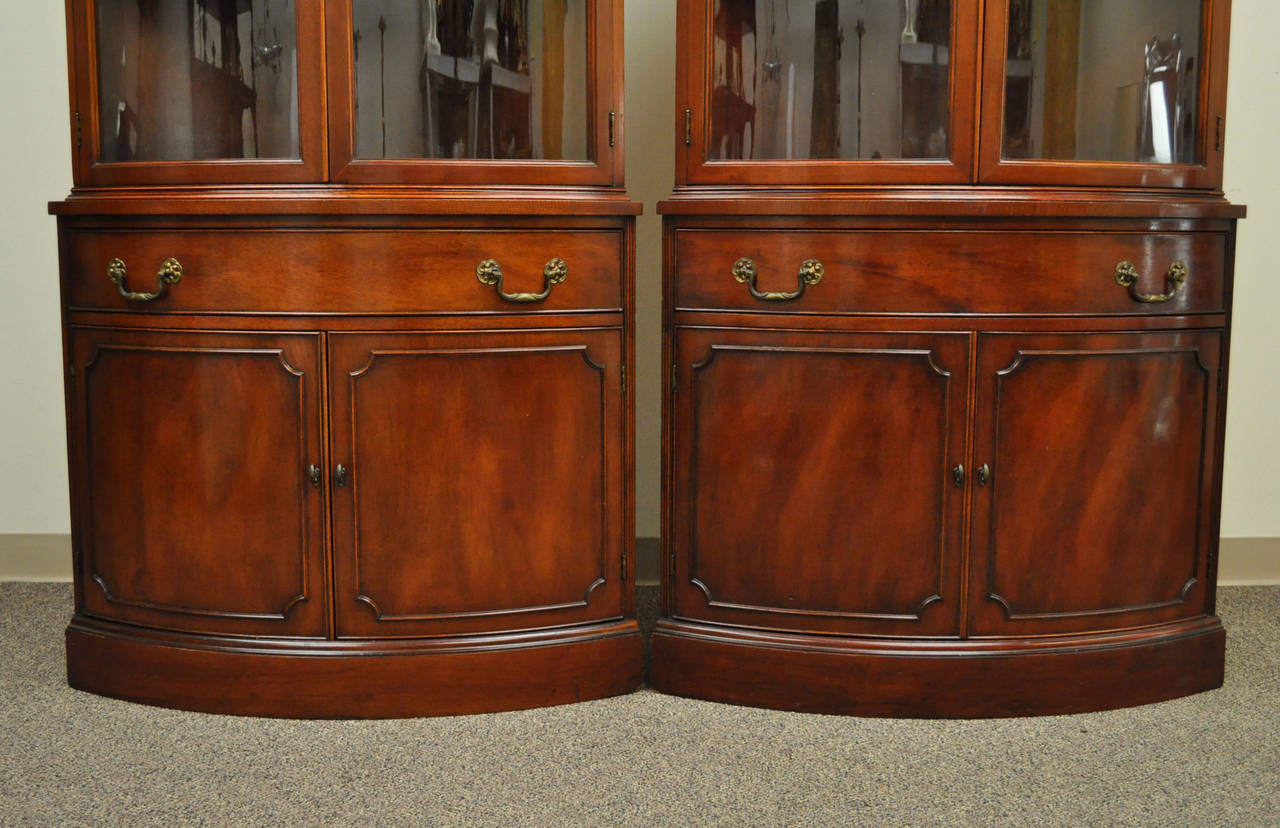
{"x": 1249, "y": 561}
{"x": 1241, "y": 561}
{"x": 35, "y": 557}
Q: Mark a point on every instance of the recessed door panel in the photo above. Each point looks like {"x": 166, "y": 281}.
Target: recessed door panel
{"x": 1098, "y": 505}
{"x": 483, "y": 481}
{"x": 813, "y": 482}
{"x": 196, "y": 508}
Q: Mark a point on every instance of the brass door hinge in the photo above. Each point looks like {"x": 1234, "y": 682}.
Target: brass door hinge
{"x": 613, "y": 117}
{"x": 624, "y": 567}
{"x": 674, "y": 372}
{"x": 79, "y": 135}
{"x": 688, "y": 127}
{"x": 624, "y": 379}
{"x": 1217, "y": 141}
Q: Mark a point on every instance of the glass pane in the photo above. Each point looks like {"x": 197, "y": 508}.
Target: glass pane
{"x": 489, "y": 79}
{"x": 1103, "y": 80}
{"x": 197, "y": 80}
{"x": 808, "y": 79}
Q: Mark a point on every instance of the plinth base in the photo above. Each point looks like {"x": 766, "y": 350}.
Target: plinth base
{"x": 938, "y": 679}
{"x": 319, "y": 679}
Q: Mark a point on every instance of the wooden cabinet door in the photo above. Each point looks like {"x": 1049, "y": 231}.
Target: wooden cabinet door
{"x": 813, "y": 484}
{"x": 786, "y": 95}
{"x": 545, "y": 109}
{"x": 1098, "y": 511}
{"x": 1090, "y": 95}
{"x": 485, "y": 482}
{"x": 191, "y": 455}
{"x": 209, "y": 92}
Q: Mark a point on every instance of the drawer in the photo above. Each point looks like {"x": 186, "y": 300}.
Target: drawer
{"x": 348, "y": 271}
{"x": 943, "y": 271}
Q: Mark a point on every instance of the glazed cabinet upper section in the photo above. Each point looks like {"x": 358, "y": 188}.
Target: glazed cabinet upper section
{"x": 1124, "y": 93}
{"x": 445, "y": 92}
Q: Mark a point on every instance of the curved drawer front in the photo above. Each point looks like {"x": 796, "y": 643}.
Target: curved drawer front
{"x": 345, "y": 271}
{"x": 975, "y": 272}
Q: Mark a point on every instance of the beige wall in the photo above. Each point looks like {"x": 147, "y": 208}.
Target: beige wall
{"x": 1251, "y": 490}
{"x": 35, "y": 169}
{"x": 651, "y": 143}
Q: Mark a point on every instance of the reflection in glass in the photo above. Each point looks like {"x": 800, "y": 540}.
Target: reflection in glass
{"x": 829, "y": 79}
{"x": 194, "y": 80}
{"x": 1103, "y": 80}
{"x": 485, "y": 79}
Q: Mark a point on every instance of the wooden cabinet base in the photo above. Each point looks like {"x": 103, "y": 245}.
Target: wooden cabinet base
{"x": 318, "y": 679}
{"x": 933, "y": 679}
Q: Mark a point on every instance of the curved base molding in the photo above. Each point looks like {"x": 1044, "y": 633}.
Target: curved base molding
{"x": 938, "y": 679}
{"x": 318, "y": 679}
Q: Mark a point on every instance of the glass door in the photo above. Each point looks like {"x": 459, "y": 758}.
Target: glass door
{"x": 198, "y": 91}
{"x": 828, "y": 91}
{"x": 1104, "y": 92}
{"x": 475, "y": 91}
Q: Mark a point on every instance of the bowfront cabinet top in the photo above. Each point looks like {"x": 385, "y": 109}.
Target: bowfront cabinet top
{"x": 1119, "y": 93}
{"x": 426, "y": 92}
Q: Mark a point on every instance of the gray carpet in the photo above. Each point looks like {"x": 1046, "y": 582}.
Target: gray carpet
{"x": 69, "y": 758}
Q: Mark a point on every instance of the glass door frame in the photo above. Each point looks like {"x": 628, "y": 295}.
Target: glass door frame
{"x": 86, "y": 131}
{"x": 604, "y": 169}
{"x": 995, "y": 169}
{"x": 693, "y": 123}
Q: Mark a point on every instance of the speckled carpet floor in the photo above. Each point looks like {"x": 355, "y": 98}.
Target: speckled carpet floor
{"x": 69, "y": 758}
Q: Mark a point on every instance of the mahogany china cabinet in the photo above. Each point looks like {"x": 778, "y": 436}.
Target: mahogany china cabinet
{"x": 947, "y": 310}
{"x": 348, "y": 302}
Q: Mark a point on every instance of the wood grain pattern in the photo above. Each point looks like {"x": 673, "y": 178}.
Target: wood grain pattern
{"x": 484, "y": 481}
{"x": 973, "y": 272}
{"x": 824, "y": 512}
{"x": 1111, "y": 435}
{"x": 483, "y": 526}
{"x": 896, "y": 678}
{"x": 195, "y": 508}
{"x": 358, "y": 680}
{"x": 368, "y": 272}
{"x": 1084, "y": 526}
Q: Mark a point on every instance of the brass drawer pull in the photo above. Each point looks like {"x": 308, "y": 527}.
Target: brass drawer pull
{"x": 811, "y": 273}
{"x": 170, "y": 274}
{"x": 1127, "y": 276}
{"x": 489, "y": 272}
